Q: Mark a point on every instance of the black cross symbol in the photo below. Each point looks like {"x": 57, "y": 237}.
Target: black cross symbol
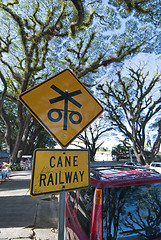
{"x": 67, "y": 97}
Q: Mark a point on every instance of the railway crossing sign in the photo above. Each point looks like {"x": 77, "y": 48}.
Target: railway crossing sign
{"x": 62, "y": 170}
{"x": 63, "y": 105}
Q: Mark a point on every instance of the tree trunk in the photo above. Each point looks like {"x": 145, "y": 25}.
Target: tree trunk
{"x": 21, "y": 137}
{"x": 156, "y": 145}
{"x": 138, "y": 155}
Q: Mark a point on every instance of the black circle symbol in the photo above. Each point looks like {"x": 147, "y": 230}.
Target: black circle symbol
{"x": 55, "y": 119}
{"x": 71, "y": 117}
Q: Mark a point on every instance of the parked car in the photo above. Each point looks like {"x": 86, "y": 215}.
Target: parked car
{"x": 120, "y": 204}
{"x": 134, "y": 164}
{"x": 156, "y": 166}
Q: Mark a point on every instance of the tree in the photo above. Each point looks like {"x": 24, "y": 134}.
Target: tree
{"x": 157, "y": 138}
{"x": 42, "y": 37}
{"x": 131, "y": 103}
{"x": 143, "y": 220}
{"x": 25, "y": 45}
{"x": 92, "y": 136}
{"x": 122, "y": 150}
{"x": 114, "y": 204}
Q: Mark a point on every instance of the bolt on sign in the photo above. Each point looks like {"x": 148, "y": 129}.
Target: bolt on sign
{"x": 58, "y": 170}
{"x": 63, "y": 105}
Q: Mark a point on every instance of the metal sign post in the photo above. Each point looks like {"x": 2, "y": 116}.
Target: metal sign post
{"x": 61, "y": 216}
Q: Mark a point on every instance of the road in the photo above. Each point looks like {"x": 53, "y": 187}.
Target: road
{"x": 23, "y": 216}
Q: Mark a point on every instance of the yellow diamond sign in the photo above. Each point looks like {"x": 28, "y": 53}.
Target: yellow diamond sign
{"x": 63, "y": 105}
{"x": 57, "y": 170}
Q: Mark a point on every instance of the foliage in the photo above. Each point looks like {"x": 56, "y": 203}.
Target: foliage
{"x": 113, "y": 207}
{"x": 40, "y": 38}
{"x": 16, "y": 167}
{"x": 103, "y": 149}
{"x": 144, "y": 9}
{"x": 146, "y": 221}
{"x": 122, "y": 150}
{"x": 132, "y": 211}
{"x": 131, "y": 103}
{"x": 91, "y": 137}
